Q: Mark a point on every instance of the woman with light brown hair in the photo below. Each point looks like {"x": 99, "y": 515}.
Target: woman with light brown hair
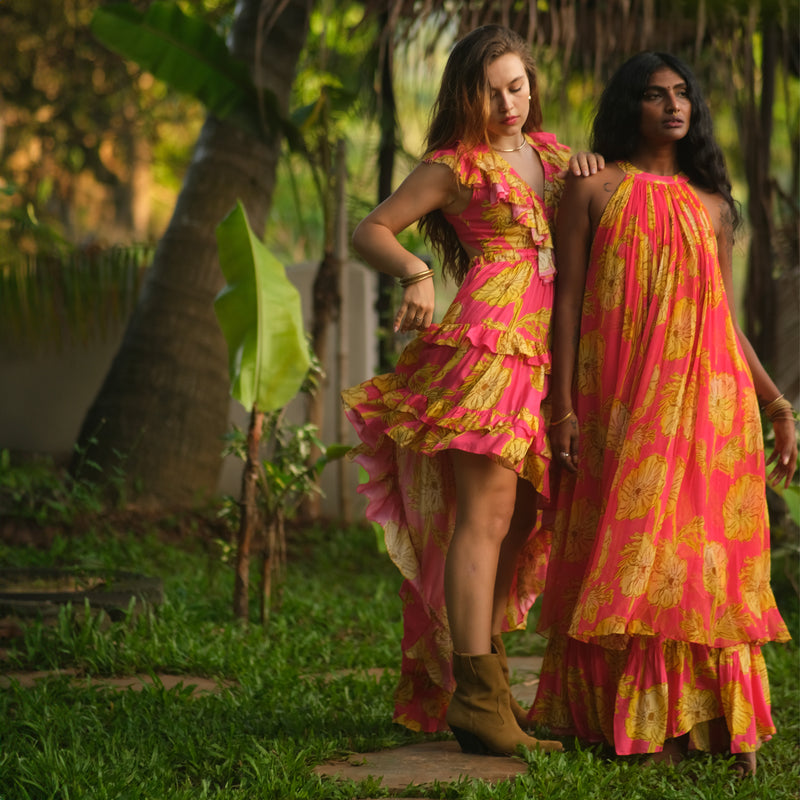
{"x": 454, "y": 440}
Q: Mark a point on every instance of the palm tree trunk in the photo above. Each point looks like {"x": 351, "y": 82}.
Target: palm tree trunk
{"x": 388, "y": 145}
{"x": 163, "y": 406}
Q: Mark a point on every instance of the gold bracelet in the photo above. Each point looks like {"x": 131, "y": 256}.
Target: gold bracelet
{"x": 569, "y": 414}
{"x": 778, "y": 408}
{"x": 410, "y": 280}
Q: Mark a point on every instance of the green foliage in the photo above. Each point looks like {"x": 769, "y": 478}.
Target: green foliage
{"x": 77, "y": 297}
{"x": 288, "y": 472}
{"x": 261, "y": 317}
{"x": 183, "y": 51}
{"x": 300, "y": 692}
{"x": 38, "y": 493}
{"x": 76, "y": 118}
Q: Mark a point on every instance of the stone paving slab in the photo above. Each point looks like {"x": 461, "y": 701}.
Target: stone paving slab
{"x": 420, "y": 765}
{"x": 416, "y": 765}
{"x": 440, "y": 761}
{"x": 135, "y": 682}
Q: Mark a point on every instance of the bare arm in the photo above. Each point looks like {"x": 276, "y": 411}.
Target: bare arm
{"x": 785, "y": 453}
{"x": 428, "y": 187}
{"x": 573, "y": 238}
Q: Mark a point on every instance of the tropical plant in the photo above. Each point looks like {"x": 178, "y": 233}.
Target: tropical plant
{"x": 150, "y": 394}
{"x": 165, "y": 398}
{"x": 260, "y": 314}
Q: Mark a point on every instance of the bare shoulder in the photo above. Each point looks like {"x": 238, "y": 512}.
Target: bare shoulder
{"x": 603, "y": 182}
{"x": 590, "y": 194}
{"x": 718, "y": 210}
{"x": 426, "y": 188}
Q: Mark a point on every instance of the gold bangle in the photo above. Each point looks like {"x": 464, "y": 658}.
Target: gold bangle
{"x": 777, "y": 408}
{"x": 410, "y": 280}
{"x": 569, "y": 414}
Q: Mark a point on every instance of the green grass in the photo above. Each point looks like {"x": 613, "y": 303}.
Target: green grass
{"x": 291, "y": 707}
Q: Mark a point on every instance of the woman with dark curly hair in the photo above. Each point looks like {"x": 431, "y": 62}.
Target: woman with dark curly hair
{"x": 657, "y": 598}
{"x": 454, "y": 440}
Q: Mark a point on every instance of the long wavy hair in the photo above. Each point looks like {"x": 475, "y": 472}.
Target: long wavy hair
{"x": 616, "y": 131}
{"x": 460, "y": 118}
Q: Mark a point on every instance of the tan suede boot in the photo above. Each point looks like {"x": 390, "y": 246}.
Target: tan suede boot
{"x": 520, "y": 714}
{"x": 479, "y": 713}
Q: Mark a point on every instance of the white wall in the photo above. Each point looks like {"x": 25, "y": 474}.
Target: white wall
{"x": 44, "y": 397}
{"x": 361, "y": 324}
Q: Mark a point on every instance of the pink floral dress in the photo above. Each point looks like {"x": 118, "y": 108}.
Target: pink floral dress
{"x": 658, "y": 595}
{"x": 475, "y": 382}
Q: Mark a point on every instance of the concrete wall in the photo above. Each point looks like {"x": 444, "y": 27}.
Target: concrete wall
{"x": 45, "y": 396}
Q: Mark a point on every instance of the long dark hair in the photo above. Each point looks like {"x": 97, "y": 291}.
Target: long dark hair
{"x": 616, "y": 129}
{"x": 460, "y": 117}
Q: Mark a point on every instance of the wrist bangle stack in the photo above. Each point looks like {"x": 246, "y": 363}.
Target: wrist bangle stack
{"x": 779, "y": 408}
{"x": 410, "y": 280}
{"x": 566, "y": 416}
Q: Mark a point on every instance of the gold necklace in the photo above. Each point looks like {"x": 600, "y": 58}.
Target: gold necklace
{"x": 511, "y": 149}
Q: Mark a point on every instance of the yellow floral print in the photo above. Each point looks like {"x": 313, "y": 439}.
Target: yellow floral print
{"x": 671, "y": 481}
{"x": 670, "y": 403}
{"x": 593, "y": 600}
{"x": 629, "y": 329}
{"x": 754, "y": 579}
{"x": 678, "y": 471}
{"x": 647, "y": 714}
{"x": 730, "y": 626}
{"x": 488, "y": 389}
{"x": 635, "y": 565}
{"x": 580, "y": 535}
{"x": 722, "y": 402}
{"x": 693, "y": 626}
{"x": 591, "y": 354}
{"x": 610, "y": 285}
{"x": 727, "y": 459}
{"x": 715, "y": 571}
{"x": 667, "y": 579}
{"x": 738, "y": 711}
{"x": 744, "y": 507}
{"x": 617, "y": 426}
{"x": 653, "y": 389}
{"x": 593, "y": 437}
{"x": 401, "y": 551}
{"x": 515, "y": 450}
{"x": 752, "y": 432}
{"x": 641, "y": 488}
{"x": 682, "y": 329}
{"x": 688, "y": 425}
{"x": 692, "y": 534}
{"x": 638, "y": 436}
{"x": 696, "y": 706}
{"x": 453, "y": 314}
{"x": 507, "y": 286}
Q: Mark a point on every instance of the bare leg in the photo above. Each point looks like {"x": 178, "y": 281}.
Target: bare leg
{"x": 480, "y": 712}
{"x": 485, "y": 498}
{"x": 744, "y": 763}
{"x": 522, "y": 522}
{"x": 673, "y": 752}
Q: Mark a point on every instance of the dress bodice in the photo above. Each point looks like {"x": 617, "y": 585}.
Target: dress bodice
{"x": 504, "y": 213}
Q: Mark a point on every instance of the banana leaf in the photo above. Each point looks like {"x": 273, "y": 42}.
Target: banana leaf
{"x": 183, "y": 51}
{"x": 261, "y": 317}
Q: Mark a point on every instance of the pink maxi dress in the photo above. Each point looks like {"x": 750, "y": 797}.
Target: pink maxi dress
{"x": 475, "y": 382}
{"x": 658, "y": 599}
